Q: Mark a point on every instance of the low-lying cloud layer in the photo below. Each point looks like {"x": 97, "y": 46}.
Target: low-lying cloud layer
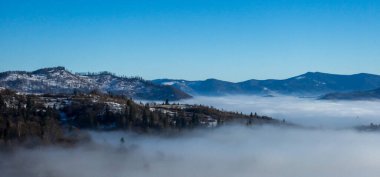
{"x": 310, "y": 112}
{"x": 224, "y": 152}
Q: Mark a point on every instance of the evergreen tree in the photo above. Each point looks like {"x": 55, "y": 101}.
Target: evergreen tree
{"x": 145, "y": 120}
{"x": 2, "y": 103}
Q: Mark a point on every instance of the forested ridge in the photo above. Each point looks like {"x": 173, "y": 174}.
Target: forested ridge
{"x": 60, "y": 118}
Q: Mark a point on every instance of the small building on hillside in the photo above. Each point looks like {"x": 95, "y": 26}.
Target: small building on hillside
{"x": 209, "y": 122}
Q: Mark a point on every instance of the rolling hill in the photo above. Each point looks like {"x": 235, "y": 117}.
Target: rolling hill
{"x": 59, "y": 80}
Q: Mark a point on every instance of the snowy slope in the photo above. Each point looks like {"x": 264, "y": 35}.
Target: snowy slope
{"x": 59, "y": 80}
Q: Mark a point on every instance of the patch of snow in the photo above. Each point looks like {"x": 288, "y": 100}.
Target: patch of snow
{"x": 318, "y": 83}
{"x": 115, "y": 107}
{"x": 301, "y": 77}
{"x": 169, "y": 83}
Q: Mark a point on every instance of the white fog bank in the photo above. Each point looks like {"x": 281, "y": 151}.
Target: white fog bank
{"x": 304, "y": 111}
{"x": 225, "y": 152}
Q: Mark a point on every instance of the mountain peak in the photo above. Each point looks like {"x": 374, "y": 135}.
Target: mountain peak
{"x": 57, "y": 68}
{"x": 49, "y": 70}
{"x": 314, "y": 73}
{"x": 212, "y": 79}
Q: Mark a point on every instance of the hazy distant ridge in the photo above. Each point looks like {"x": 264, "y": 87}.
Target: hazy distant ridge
{"x": 308, "y": 84}
{"x": 357, "y": 95}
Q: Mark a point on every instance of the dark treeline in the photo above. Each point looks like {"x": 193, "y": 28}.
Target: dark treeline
{"x": 109, "y": 73}
{"x": 55, "y": 118}
{"x": 22, "y": 119}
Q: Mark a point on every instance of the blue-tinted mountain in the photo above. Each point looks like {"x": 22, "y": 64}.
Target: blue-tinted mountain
{"x": 207, "y": 87}
{"x": 308, "y": 84}
{"x": 358, "y": 95}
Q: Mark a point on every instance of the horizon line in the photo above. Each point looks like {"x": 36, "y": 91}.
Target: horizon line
{"x": 195, "y": 80}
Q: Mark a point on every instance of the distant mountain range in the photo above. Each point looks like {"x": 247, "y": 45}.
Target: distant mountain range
{"x": 308, "y": 84}
{"x": 315, "y": 84}
{"x": 357, "y": 95}
{"x": 59, "y": 80}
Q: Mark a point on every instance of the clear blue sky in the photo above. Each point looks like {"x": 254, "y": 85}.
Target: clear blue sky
{"x": 231, "y": 40}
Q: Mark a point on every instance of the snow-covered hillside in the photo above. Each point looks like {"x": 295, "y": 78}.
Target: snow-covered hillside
{"x": 59, "y": 80}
